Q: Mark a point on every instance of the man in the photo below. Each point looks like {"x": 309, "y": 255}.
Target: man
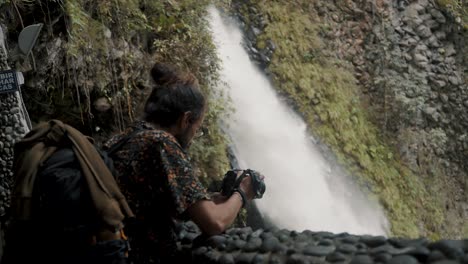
{"x": 155, "y": 174}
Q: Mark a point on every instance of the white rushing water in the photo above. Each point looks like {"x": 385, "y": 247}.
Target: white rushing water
{"x": 269, "y": 137}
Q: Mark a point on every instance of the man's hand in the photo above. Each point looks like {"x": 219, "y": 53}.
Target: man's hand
{"x": 247, "y": 187}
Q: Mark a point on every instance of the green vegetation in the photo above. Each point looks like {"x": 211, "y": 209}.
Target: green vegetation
{"x": 106, "y": 49}
{"x": 325, "y": 93}
{"x": 457, "y": 8}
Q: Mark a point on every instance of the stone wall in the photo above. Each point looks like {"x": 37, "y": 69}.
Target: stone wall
{"x": 13, "y": 126}
{"x": 244, "y": 245}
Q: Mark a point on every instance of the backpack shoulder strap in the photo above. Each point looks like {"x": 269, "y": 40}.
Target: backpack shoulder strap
{"x": 122, "y": 142}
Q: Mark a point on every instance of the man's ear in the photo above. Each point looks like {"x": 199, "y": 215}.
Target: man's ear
{"x": 186, "y": 119}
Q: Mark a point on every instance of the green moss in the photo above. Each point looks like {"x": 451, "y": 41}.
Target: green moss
{"x": 457, "y": 8}
{"x": 324, "y": 91}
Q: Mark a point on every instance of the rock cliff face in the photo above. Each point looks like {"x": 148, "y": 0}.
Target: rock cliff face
{"x": 409, "y": 62}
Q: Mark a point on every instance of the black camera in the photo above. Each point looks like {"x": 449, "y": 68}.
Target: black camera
{"x": 232, "y": 181}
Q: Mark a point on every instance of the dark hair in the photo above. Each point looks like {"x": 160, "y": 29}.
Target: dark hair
{"x": 174, "y": 94}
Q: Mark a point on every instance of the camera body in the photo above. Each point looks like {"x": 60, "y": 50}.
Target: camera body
{"x": 231, "y": 182}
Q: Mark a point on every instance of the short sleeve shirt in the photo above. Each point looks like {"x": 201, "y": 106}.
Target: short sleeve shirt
{"x": 156, "y": 176}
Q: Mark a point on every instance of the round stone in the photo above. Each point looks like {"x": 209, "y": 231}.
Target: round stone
{"x": 283, "y": 237}
{"x": 239, "y": 243}
{"x": 421, "y": 253}
{"x": 403, "y": 259}
{"x": 226, "y": 259}
{"x": 361, "y": 259}
{"x": 200, "y": 251}
{"x": 373, "y": 241}
{"x": 244, "y": 257}
{"x": 15, "y": 110}
{"x": 253, "y": 244}
{"x": 350, "y": 239}
{"x": 217, "y": 242}
{"x": 336, "y": 257}
{"x": 451, "y": 248}
{"x": 435, "y": 255}
{"x": 258, "y": 259}
{"x": 384, "y": 257}
{"x": 325, "y": 242}
{"x": 318, "y": 251}
{"x": 347, "y": 248}
{"x": 297, "y": 259}
{"x": 270, "y": 244}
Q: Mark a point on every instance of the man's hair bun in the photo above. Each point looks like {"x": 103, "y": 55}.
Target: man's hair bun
{"x": 164, "y": 73}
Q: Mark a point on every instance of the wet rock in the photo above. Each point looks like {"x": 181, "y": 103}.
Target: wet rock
{"x": 350, "y": 239}
{"x": 450, "y": 50}
{"x": 441, "y": 35}
{"x": 325, "y": 242}
{"x": 432, "y": 24}
{"x": 433, "y": 42}
{"x": 200, "y": 251}
{"x": 226, "y": 259}
{"x": 274, "y": 259}
{"x": 324, "y": 235}
{"x": 420, "y": 252}
{"x": 283, "y": 237}
{"x": 454, "y": 80}
{"x": 438, "y": 16}
{"x": 259, "y": 259}
{"x": 212, "y": 256}
{"x": 435, "y": 255}
{"x": 361, "y": 259}
{"x": 403, "y": 259}
{"x": 450, "y": 248}
{"x": 217, "y": 242}
{"x": 244, "y": 257}
{"x": 383, "y": 257}
{"x": 446, "y": 261}
{"x": 297, "y": 259}
{"x": 421, "y": 60}
{"x": 439, "y": 83}
{"x": 431, "y": 113}
{"x": 253, "y": 244}
{"x": 270, "y": 244}
{"x": 318, "y": 251}
{"x": 15, "y": 110}
{"x": 336, "y": 257}
{"x": 373, "y": 241}
{"x": 347, "y": 248}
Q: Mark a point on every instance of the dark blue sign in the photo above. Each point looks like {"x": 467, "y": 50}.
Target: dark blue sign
{"x": 8, "y": 81}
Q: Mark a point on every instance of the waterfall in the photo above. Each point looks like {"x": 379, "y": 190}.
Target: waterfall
{"x": 303, "y": 192}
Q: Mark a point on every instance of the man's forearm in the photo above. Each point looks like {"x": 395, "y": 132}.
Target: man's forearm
{"x": 213, "y": 218}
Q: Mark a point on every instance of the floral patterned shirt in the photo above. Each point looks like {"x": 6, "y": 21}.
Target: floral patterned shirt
{"x": 157, "y": 178}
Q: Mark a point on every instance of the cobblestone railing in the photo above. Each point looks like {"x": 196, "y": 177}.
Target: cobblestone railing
{"x": 244, "y": 245}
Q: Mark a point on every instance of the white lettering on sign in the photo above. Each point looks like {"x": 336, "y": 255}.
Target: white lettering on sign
{"x": 8, "y": 81}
